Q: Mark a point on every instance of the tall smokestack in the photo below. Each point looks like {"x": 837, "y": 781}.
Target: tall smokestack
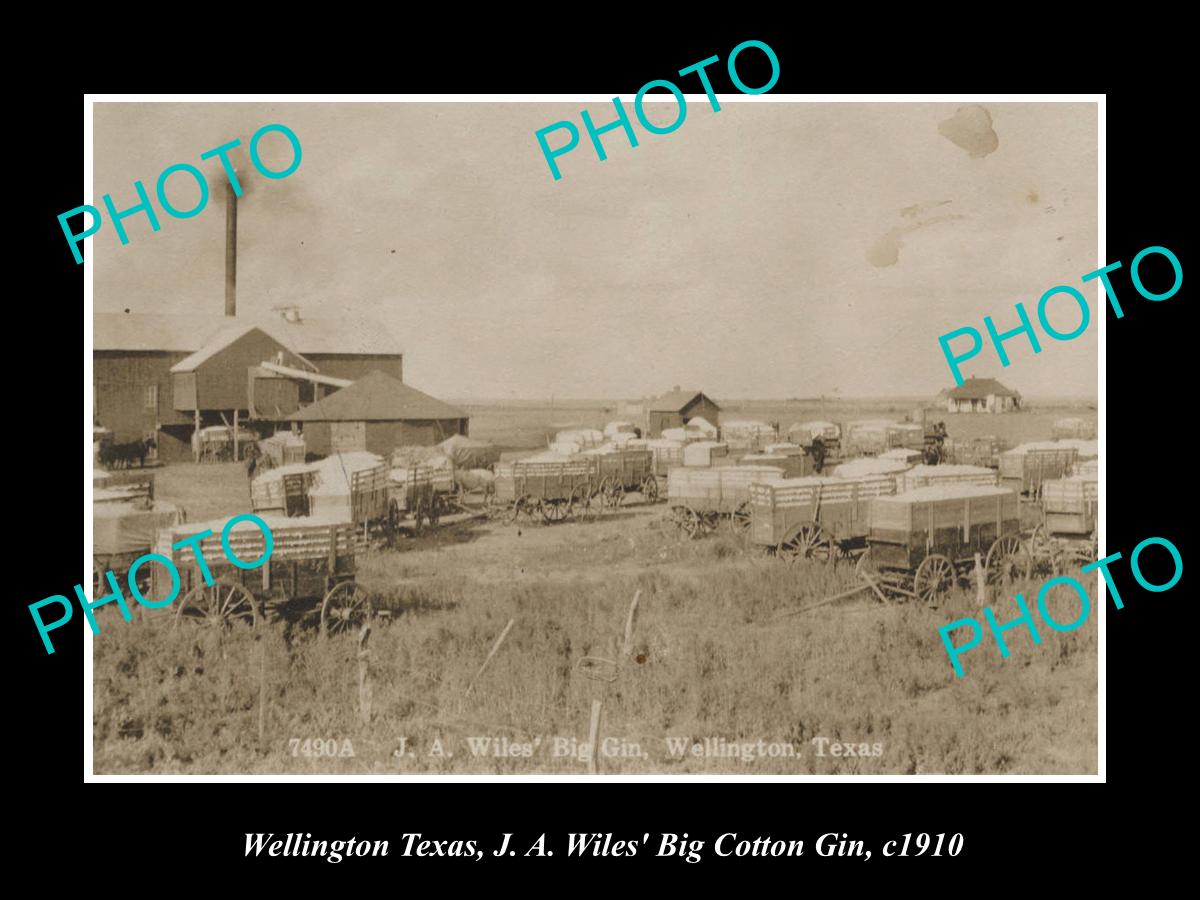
{"x": 230, "y": 250}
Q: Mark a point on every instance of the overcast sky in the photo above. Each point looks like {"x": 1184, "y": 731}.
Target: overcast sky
{"x": 767, "y": 250}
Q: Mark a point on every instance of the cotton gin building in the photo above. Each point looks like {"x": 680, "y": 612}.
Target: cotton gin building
{"x": 159, "y": 376}
{"x": 377, "y": 413}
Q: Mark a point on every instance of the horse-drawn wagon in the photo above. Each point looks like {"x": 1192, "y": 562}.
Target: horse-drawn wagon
{"x": 412, "y": 494}
{"x": 548, "y": 489}
{"x": 621, "y": 472}
{"x": 700, "y": 498}
{"x": 1065, "y": 539}
{"x": 309, "y": 577}
{"x": 815, "y": 517}
{"x": 922, "y": 541}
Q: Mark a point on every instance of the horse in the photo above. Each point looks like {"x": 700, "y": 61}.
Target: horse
{"x": 121, "y": 456}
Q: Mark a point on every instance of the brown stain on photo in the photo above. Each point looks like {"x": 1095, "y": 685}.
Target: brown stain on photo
{"x": 971, "y": 129}
{"x": 886, "y": 251}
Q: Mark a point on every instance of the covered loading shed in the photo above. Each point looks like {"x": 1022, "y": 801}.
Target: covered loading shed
{"x": 211, "y": 383}
{"x": 677, "y": 408}
{"x": 378, "y": 413}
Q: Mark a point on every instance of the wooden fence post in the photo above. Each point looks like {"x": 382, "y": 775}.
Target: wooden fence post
{"x": 594, "y": 737}
{"x": 364, "y": 675}
{"x": 495, "y": 647}
{"x": 980, "y": 581}
{"x": 627, "y": 646}
{"x": 262, "y": 692}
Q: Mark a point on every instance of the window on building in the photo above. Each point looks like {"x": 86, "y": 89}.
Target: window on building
{"x": 152, "y": 396}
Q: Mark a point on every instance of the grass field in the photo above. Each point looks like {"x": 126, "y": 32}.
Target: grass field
{"x": 714, "y": 655}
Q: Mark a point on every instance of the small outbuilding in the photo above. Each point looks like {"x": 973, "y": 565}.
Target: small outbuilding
{"x": 377, "y": 413}
{"x": 677, "y": 408}
{"x": 982, "y": 395}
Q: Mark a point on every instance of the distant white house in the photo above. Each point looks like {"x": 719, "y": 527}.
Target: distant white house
{"x": 986, "y": 395}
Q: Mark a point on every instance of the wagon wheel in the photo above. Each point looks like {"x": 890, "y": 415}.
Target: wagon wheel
{"x": 1041, "y": 549}
{"x": 513, "y": 510}
{"x": 1007, "y": 561}
{"x": 223, "y": 604}
{"x": 556, "y": 510}
{"x": 739, "y": 519}
{"x": 612, "y": 492}
{"x": 419, "y": 511}
{"x": 650, "y": 489}
{"x": 935, "y": 576}
{"x": 344, "y": 608}
{"x": 686, "y": 520}
{"x": 807, "y": 542}
{"x": 709, "y": 522}
{"x": 492, "y": 505}
{"x": 583, "y": 505}
{"x": 1080, "y": 555}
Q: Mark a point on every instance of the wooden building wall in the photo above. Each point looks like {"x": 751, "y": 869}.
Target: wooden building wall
{"x": 221, "y": 379}
{"x": 121, "y": 381}
{"x": 379, "y": 437}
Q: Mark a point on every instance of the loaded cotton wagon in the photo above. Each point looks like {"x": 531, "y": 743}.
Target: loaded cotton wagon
{"x": 921, "y": 542}
{"x": 700, "y": 498}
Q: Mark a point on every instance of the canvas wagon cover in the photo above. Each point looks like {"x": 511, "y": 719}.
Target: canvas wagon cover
{"x": 468, "y": 453}
{"x": 128, "y": 527}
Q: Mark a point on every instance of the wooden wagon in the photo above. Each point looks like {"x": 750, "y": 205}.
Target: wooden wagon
{"x": 122, "y": 531}
{"x": 309, "y": 577}
{"x": 215, "y": 443}
{"x": 1066, "y": 539}
{"x": 921, "y": 542}
{"x": 701, "y": 498}
{"x": 621, "y": 472}
{"x": 867, "y": 437}
{"x": 1025, "y": 469}
{"x": 795, "y": 463}
{"x": 814, "y": 517}
{"x": 665, "y": 454}
{"x": 547, "y": 490}
{"x": 411, "y": 494}
{"x": 282, "y": 449}
{"x": 981, "y": 451}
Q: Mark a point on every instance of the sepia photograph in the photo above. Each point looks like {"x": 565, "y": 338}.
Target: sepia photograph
{"x": 539, "y": 437}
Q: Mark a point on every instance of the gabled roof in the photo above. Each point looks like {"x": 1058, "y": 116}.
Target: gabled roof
{"x": 675, "y": 401}
{"x": 187, "y": 333}
{"x": 377, "y": 398}
{"x": 980, "y": 389}
{"x": 227, "y": 337}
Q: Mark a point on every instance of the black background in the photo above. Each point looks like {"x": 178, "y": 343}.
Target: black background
{"x": 199, "y": 832}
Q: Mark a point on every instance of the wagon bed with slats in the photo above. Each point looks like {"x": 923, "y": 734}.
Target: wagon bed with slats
{"x": 814, "y": 517}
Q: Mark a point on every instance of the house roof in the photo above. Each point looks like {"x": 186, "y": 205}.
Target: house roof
{"x": 675, "y": 401}
{"x": 227, "y": 337}
{"x": 378, "y": 397}
{"x": 187, "y": 333}
{"x": 980, "y": 389}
